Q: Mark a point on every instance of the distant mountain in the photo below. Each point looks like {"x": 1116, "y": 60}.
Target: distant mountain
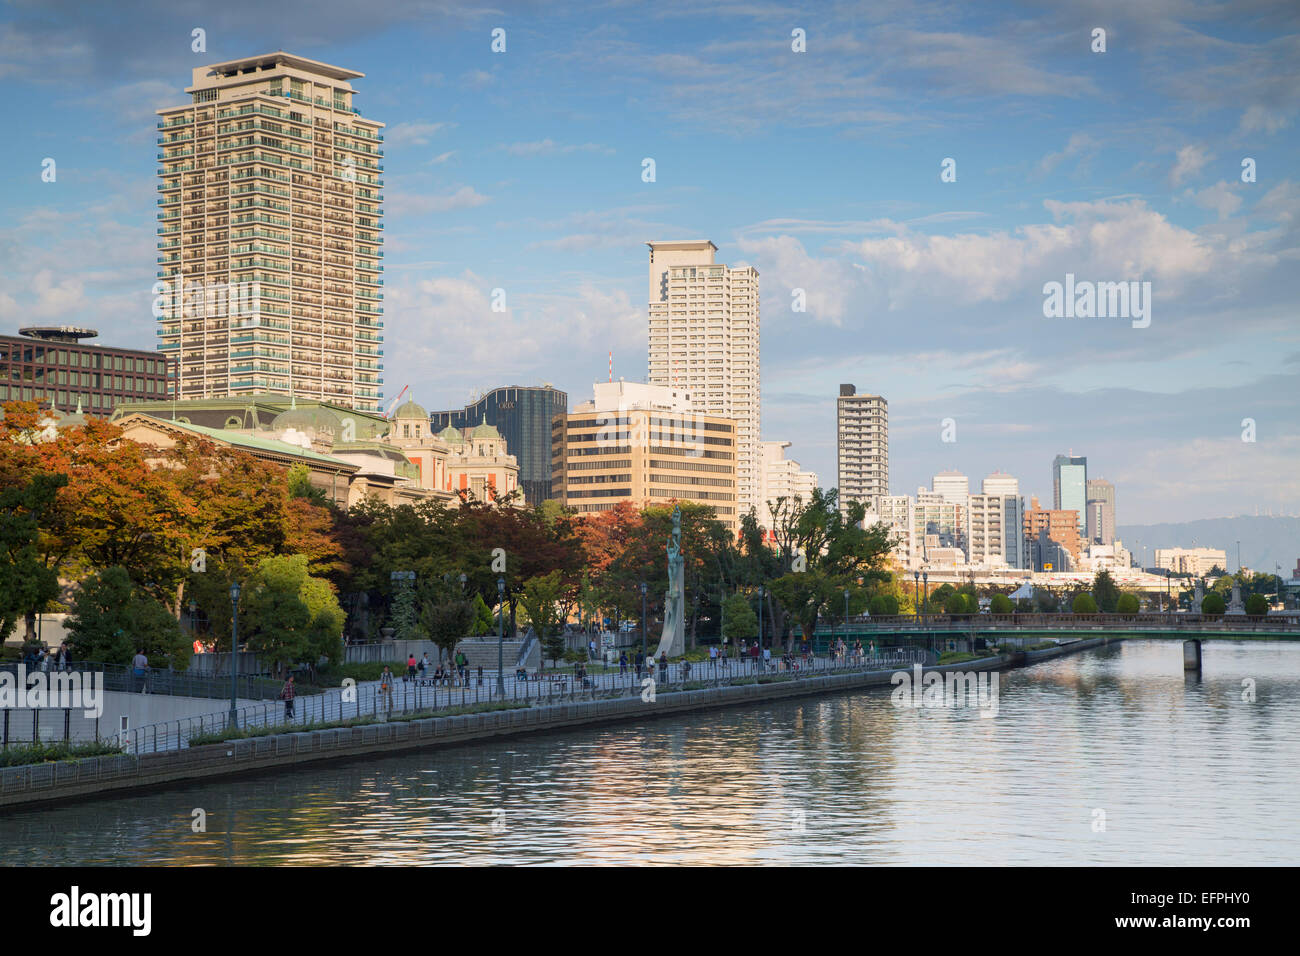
{"x": 1265, "y": 541}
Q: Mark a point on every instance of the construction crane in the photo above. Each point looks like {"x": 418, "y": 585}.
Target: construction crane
{"x": 388, "y": 412}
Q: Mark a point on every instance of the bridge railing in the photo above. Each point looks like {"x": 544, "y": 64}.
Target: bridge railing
{"x": 1280, "y": 622}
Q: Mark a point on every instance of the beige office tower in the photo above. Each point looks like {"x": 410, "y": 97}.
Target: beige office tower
{"x": 862, "y": 431}
{"x": 270, "y": 234}
{"x": 704, "y": 337}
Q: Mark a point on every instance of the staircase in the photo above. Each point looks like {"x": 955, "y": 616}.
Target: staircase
{"x": 482, "y": 652}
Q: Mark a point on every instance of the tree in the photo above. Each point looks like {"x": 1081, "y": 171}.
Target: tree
{"x": 482, "y": 620}
{"x": 1127, "y": 604}
{"x": 540, "y": 598}
{"x": 960, "y": 603}
{"x": 1000, "y": 604}
{"x": 882, "y": 605}
{"x": 1256, "y": 604}
{"x": 741, "y": 624}
{"x": 1084, "y": 604}
{"x": 405, "y": 616}
{"x": 111, "y": 619}
{"x": 1105, "y": 591}
{"x": 1213, "y": 604}
{"x": 26, "y": 584}
{"x": 445, "y": 613}
{"x": 289, "y": 615}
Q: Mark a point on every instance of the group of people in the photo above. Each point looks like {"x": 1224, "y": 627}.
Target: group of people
{"x": 39, "y": 656}
{"x": 455, "y": 673}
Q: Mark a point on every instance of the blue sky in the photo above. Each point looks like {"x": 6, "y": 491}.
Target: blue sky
{"x": 522, "y": 171}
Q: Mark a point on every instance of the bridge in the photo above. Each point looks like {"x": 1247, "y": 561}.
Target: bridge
{"x": 969, "y": 632}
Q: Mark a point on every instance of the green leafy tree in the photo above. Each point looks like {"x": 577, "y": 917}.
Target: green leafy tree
{"x": 939, "y": 596}
{"x": 405, "y": 613}
{"x": 111, "y": 619}
{"x": 1000, "y": 604}
{"x": 1256, "y": 604}
{"x": 26, "y": 583}
{"x": 1084, "y": 604}
{"x": 882, "y": 604}
{"x": 960, "y": 602}
{"x": 1105, "y": 591}
{"x": 1127, "y": 604}
{"x": 1213, "y": 603}
{"x": 482, "y": 620}
{"x": 741, "y": 623}
{"x": 445, "y": 613}
{"x": 541, "y": 602}
{"x": 290, "y": 616}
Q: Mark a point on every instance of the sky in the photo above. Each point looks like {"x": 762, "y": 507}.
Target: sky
{"x": 823, "y": 168}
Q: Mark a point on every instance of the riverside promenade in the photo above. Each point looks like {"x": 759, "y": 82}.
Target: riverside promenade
{"x": 119, "y": 773}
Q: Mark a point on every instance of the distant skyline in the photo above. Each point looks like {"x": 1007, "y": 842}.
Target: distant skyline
{"x": 522, "y": 171}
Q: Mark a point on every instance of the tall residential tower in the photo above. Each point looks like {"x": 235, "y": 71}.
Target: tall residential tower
{"x": 704, "y": 337}
{"x": 270, "y": 235}
{"x": 862, "y": 429}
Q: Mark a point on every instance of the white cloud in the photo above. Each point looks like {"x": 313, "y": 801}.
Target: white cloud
{"x": 467, "y": 197}
{"x": 1190, "y": 161}
{"x": 413, "y": 134}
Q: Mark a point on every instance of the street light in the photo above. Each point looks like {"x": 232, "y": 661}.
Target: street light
{"x": 501, "y": 636}
{"x": 234, "y": 652}
{"x": 846, "y": 613}
{"x": 916, "y": 594}
{"x": 925, "y": 598}
{"x": 760, "y": 617}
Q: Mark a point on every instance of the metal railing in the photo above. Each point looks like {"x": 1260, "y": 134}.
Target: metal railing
{"x": 1289, "y": 621}
{"x": 160, "y": 680}
{"x": 20, "y": 726}
{"x": 434, "y": 698}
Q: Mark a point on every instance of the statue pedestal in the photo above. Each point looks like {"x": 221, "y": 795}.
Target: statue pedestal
{"x": 1236, "y": 605}
{"x": 673, "y": 641}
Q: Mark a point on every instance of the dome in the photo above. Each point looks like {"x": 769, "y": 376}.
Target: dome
{"x": 484, "y": 430}
{"x": 409, "y": 409}
{"x": 313, "y": 421}
{"x": 451, "y": 434}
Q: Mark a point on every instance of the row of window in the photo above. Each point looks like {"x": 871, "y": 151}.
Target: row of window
{"x": 40, "y": 376}
{"x": 73, "y": 358}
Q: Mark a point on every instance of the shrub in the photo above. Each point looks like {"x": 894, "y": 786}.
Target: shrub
{"x": 1084, "y": 604}
{"x": 1000, "y": 604}
{"x": 1213, "y": 603}
{"x": 882, "y": 604}
{"x": 1127, "y": 604}
{"x": 1257, "y": 604}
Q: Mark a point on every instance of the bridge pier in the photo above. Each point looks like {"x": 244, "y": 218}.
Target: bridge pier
{"x": 1192, "y": 656}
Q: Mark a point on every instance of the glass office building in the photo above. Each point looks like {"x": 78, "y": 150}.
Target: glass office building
{"x": 1070, "y": 486}
{"x": 49, "y": 365}
{"x": 522, "y": 414}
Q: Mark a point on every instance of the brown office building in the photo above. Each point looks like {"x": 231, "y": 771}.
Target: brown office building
{"x": 49, "y": 365}
{"x": 643, "y": 444}
{"x": 1045, "y": 527}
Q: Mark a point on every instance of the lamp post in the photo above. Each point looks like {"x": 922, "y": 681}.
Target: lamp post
{"x": 643, "y": 644}
{"x": 501, "y": 636}
{"x": 925, "y": 598}
{"x": 234, "y": 653}
{"x": 760, "y": 617}
{"x": 916, "y": 594}
{"x": 722, "y": 625}
{"x": 846, "y": 613}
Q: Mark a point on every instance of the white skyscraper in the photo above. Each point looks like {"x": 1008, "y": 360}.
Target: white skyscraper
{"x": 704, "y": 338}
{"x": 781, "y": 477}
{"x": 862, "y": 446}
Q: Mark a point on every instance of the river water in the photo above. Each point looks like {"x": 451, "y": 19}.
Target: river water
{"x": 1106, "y": 757}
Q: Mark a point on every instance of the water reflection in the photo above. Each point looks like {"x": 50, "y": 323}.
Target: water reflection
{"x": 1184, "y": 771}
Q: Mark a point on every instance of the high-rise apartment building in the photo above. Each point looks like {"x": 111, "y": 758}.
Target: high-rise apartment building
{"x": 952, "y": 485}
{"x": 1101, "y": 511}
{"x": 862, "y": 445}
{"x": 523, "y": 414}
{"x": 1194, "y": 561}
{"x": 1070, "y": 487}
{"x": 270, "y": 237}
{"x": 644, "y": 445}
{"x": 781, "y": 477}
{"x": 704, "y": 339}
{"x": 1007, "y": 489}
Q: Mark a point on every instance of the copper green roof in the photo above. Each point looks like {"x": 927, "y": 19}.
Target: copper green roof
{"x": 409, "y": 409}
{"x": 249, "y": 442}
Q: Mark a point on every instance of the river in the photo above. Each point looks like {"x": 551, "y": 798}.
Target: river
{"x": 1107, "y": 757}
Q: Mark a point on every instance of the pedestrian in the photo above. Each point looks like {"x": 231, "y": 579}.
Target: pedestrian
{"x": 640, "y": 664}
{"x": 424, "y": 664}
{"x": 767, "y": 658}
{"x": 140, "y": 669}
{"x": 663, "y": 666}
{"x": 386, "y": 688}
{"x": 286, "y": 695}
{"x": 410, "y": 667}
{"x": 713, "y": 654}
{"x": 462, "y": 662}
{"x": 480, "y": 675}
{"x": 622, "y": 664}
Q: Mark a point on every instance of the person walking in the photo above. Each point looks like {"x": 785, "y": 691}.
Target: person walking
{"x": 663, "y": 666}
{"x": 767, "y": 658}
{"x": 386, "y": 688}
{"x": 140, "y": 670}
{"x": 424, "y": 665}
{"x": 640, "y": 665}
{"x": 622, "y": 664}
{"x": 410, "y": 667}
{"x": 286, "y": 695}
{"x": 462, "y": 665}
